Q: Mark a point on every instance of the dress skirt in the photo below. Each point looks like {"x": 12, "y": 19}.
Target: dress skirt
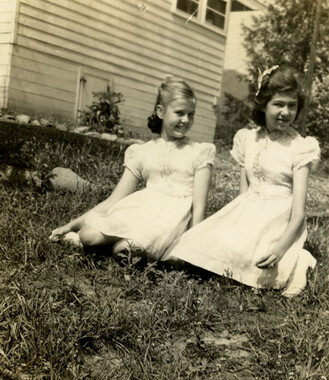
{"x": 231, "y": 241}
{"x": 149, "y": 217}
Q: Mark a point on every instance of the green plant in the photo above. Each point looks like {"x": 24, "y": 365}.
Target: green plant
{"x": 104, "y": 114}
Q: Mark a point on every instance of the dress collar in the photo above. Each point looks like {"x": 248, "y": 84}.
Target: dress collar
{"x": 276, "y": 135}
{"x": 178, "y": 142}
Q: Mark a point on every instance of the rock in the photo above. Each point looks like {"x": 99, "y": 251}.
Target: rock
{"x": 35, "y": 122}
{"x": 8, "y": 118}
{"x": 46, "y": 123}
{"x": 121, "y": 140}
{"x": 81, "y": 129}
{"x": 136, "y": 141}
{"x": 65, "y": 179}
{"x": 129, "y": 141}
{"x": 109, "y": 136}
{"x": 93, "y": 134}
{"x": 23, "y": 119}
{"x": 62, "y": 127}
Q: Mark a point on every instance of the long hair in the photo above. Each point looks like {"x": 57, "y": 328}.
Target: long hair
{"x": 284, "y": 78}
{"x": 169, "y": 90}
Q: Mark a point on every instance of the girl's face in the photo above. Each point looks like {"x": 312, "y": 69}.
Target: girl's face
{"x": 177, "y": 118}
{"x": 281, "y": 110}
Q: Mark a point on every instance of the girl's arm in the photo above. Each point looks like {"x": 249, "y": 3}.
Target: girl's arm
{"x": 244, "y": 184}
{"x": 126, "y": 186}
{"x": 202, "y": 181}
{"x": 297, "y": 218}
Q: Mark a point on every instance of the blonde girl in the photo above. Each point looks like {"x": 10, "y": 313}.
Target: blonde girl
{"x": 177, "y": 173}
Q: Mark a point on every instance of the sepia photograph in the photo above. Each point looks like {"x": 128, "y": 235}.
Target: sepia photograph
{"x": 164, "y": 189}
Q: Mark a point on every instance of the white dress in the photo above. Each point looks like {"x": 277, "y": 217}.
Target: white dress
{"x": 156, "y": 215}
{"x": 231, "y": 241}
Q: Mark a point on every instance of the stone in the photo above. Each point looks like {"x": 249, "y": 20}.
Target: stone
{"x": 121, "y": 140}
{"x": 109, "y": 136}
{"x": 8, "y": 118}
{"x": 46, "y": 123}
{"x": 23, "y": 119}
{"x": 93, "y": 134}
{"x": 35, "y": 122}
{"x": 81, "y": 129}
{"x": 62, "y": 127}
{"x": 66, "y": 179}
{"x": 136, "y": 141}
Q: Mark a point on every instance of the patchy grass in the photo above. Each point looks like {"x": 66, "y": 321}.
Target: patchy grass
{"x": 69, "y": 314}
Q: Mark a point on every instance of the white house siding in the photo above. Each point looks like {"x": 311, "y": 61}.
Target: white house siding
{"x": 127, "y": 44}
{"x": 7, "y": 29}
{"x": 234, "y": 76}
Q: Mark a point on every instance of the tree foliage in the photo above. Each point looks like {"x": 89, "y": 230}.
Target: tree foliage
{"x": 283, "y": 33}
{"x": 236, "y": 114}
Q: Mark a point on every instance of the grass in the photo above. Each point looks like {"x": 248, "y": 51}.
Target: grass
{"x": 69, "y": 314}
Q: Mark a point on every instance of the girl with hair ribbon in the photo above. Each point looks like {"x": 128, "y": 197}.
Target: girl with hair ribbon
{"x": 257, "y": 239}
{"x": 177, "y": 173}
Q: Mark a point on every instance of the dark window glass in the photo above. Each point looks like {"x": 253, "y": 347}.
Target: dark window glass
{"x": 217, "y": 5}
{"x": 188, "y": 6}
{"x": 238, "y": 7}
{"x": 215, "y": 19}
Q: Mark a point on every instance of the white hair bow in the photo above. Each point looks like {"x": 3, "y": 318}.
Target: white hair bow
{"x": 262, "y": 75}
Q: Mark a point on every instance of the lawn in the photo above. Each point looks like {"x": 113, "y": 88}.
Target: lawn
{"x": 70, "y": 314}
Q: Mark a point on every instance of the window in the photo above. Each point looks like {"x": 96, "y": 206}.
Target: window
{"x": 237, "y": 6}
{"x": 215, "y": 13}
{"x": 208, "y": 12}
{"x": 188, "y": 6}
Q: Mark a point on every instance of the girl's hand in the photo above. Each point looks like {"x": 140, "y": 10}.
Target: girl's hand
{"x": 58, "y": 233}
{"x": 268, "y": 261}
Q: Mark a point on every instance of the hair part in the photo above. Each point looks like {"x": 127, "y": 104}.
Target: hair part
{"x": 283, "y": 79}
{"x": 169, "y": 90}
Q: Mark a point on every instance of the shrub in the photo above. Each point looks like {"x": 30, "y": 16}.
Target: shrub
{"x": 104, "y": 114}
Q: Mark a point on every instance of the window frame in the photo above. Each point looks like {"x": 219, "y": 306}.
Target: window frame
{"x": 200, "y": 19}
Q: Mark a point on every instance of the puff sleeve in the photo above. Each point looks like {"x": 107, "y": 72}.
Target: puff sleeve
{"x": 205, "y": 156}
{"x": 307, "y": 152}
{"x": 133, "y": 160}
{"x": 239, "y": 142}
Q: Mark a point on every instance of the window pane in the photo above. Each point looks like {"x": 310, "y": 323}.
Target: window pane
{"x": 217, "y": 5}
{"x": 237, "y": 6}
{"x": 215, "y": 19}
{"x": 188, "y": 6}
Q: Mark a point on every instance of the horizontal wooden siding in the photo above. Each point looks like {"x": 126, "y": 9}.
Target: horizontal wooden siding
{"x": 131, "y": 46}
{"x": 7, "y": 25}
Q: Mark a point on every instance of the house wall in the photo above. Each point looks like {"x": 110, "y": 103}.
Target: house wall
{"x": 125, "y": 44}
{"x": 235, "y": 72}
{"x": 7, "y": 29}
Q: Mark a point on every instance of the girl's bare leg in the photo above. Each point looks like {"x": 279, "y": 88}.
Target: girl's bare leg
{"x": 91, "y": 237}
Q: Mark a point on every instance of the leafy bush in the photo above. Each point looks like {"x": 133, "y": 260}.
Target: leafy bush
{"x": 104, "y": 114}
